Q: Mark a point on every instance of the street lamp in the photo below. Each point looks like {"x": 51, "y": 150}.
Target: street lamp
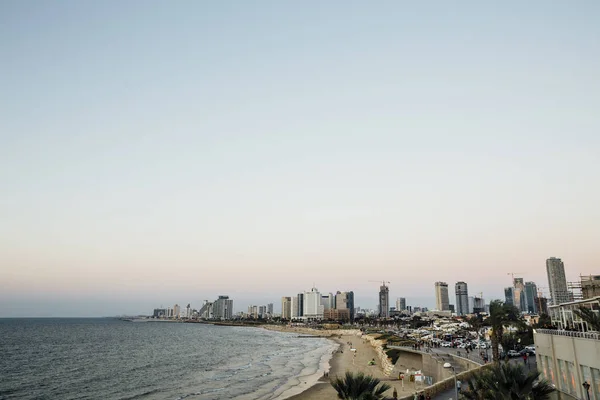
{"x": 586, "y": 386}
{"x": 448, "y": 365}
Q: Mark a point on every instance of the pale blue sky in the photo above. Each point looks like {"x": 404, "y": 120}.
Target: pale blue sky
{"x": 161, "y": 152}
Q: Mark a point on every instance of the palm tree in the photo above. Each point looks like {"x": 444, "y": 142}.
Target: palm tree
{"x": 592, "y": 319}
{"x": 359, "y": 387}
{"x": 507, "y": 381}
{"x": 501, "y": 315}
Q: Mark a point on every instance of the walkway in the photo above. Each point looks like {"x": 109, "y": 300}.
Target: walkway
{"x": 450, "y": 393}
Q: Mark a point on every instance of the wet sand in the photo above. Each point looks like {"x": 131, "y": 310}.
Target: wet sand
{"x": 344, "y": 360}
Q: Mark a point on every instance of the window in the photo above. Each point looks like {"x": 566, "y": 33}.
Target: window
{"x": 595, "y": 388}
{"x": 586, "y": 374}
{"x": 550, "y": 363}
{"x": 562, "y": 372}
{"x": 571, "y": 378}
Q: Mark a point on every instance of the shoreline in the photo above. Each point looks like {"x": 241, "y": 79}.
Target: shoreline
{"x": 338, "y": 362}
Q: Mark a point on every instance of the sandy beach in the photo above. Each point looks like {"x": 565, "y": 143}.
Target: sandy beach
{"x": 345, "y": 360}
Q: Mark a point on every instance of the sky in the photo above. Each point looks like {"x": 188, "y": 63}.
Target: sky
{"x": 154, "y": 153}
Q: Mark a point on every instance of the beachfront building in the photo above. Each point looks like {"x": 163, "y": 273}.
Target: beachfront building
{"x": 206, "y": 311}
{"x": 313, "y": 309}
{"x": 570, "y": 358}
{"x": 223, "y": 308}
{"x": 328, "y": 301}
{"x": 286, "y": 308}
{"x": 557, "y": 282}
{"x": 384, "y": 301}
{"x": 345, "y": 301}
{"x": 462, "y": 298}
{"x": 442, "y": 300}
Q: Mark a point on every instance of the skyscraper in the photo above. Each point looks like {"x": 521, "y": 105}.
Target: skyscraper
{"x": 509, "y": 295}
{"x": 462, "y": 298}
{"x": 557, "y": 282}
{"x": 286, "y": 308}
{"x": 384, "y": 301}
{"x": 519, "y": 294}
{"x": 400, "y": 304}
{"x": 530, "y": 296}
{"x": 442, "y": 301}
{"x": 345, "y": 301}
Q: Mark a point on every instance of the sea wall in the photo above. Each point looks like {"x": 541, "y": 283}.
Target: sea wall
{"x": 378, "y": 345}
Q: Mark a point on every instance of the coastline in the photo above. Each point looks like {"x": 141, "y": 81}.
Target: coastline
{"x": 336, "y": 364}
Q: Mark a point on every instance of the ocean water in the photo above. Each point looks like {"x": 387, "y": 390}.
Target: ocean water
{"x": 112, "y": 359}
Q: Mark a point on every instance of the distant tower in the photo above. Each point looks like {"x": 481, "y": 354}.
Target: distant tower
{"x": 509, "y": 295}
{"x": 530, "y": 295}
{"x": 519, "y": 293}
{"x": 400, "y": 304}
{"x": 384, "y": 301}
{"x": 462, "y": 298}
{"x": 442, "y": 301}
{"x": 286, "y": 308}
{"x": 557, "y": 282}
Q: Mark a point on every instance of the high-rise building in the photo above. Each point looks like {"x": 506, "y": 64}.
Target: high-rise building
{"x": 176, "y": 311}
{"x": 442, "y": 301}
{"x": 530, "y": 295}
{"x": 345, "y": 301}
{"x": 519, "y": 293}
{"x": 328, "y": 301}
{"x": 286, "y": 308}
{"x": 262, "y": 311}
{"x": 270, "y": 309}
{"x": 400, "y": 304}
{"x": 478, "y": 305}
{"x": 557, "y": 281}
{"x": 462, "y": 298}
{"x": 223, "y": 308}
{"x": 384, "y": 301}
{"x": 471, "y": 304}
{"x": 313, "y": 309}
{"x": 207, "y": 310}
{"x": 509, "y": 295}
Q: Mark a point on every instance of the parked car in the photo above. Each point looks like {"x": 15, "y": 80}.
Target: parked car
{"x": 528, "y": 351}
{"x": 513, "y": 353}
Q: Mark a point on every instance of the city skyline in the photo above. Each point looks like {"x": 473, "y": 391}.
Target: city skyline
{"x": 165, "y": 153}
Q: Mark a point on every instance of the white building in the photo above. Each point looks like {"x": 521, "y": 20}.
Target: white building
{"x": 313, "y": 309}
{"x": 223, "y": 308}
{"x": 442, "y": 301}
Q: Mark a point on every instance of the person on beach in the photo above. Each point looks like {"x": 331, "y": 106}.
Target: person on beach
{"x": 458, "y": 385}
{"x": 416, "y": 396}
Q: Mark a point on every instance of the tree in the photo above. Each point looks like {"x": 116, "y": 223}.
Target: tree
{"x": 359, "y": 387}
{"x": 507, "y": 381}
{"x": 476, "y": 323}
{"x": 501, "y": 315}
{"x": 544, "y": 322}
{"x": 589, "y": 316}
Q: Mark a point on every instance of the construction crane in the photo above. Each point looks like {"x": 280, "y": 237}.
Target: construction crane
{"x": 512, "y": 274}
{"x": 382, "y": 282}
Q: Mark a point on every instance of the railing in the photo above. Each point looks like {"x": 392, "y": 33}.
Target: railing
{"x": 558, "y": 332}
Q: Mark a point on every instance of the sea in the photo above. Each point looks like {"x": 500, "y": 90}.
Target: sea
{"x": 104, "y": 358}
